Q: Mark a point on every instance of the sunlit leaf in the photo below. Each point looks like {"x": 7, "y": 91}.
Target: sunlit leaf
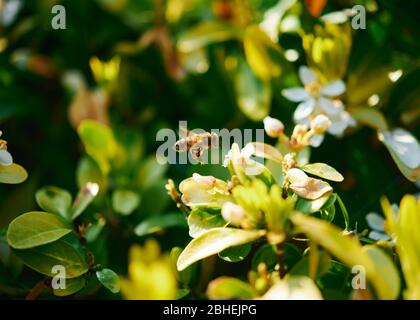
{"x": 215, "y": 241}
{"x": 99, "y": 142}
{"x": 35, "y": 228}
{"x": 12, "y": 174}
{"x": 201, "y": 220}
{"x": 109, "y": 279}
{"x": 257, "y": 46}
{"x": 54, "y": 200}
{"x": 323, "y": 170}
{"x": 349, "y": 251}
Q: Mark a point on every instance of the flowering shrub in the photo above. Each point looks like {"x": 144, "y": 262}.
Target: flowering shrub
{"x": 301, "y": 212}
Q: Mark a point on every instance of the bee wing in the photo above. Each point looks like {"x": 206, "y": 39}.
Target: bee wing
{"x": 185, "y": 133}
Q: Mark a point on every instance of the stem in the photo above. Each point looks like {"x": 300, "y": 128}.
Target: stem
{"x": 176, "y": 197}
{"x": 280, "y": 253}
{"x": 37, "y": 289}
{"x": 344, "y": 211}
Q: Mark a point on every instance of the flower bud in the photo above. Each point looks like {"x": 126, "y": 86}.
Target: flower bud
{"x": 320, "y": 124}
{"x": 204, "y": 181}
{"x": 233, "y": 213}
{"x": 273, "y": 127}
{"x": 299, "y": 130}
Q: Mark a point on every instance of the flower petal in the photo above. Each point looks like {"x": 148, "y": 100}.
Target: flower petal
{"x": 311, "y": 188}
{"x": 303, "y": 110}
{"x": 306, "y": 75}
{"x": 375, "y": 221}
{"x": 328, "y": 106}
{"x": 316, "y": 140}
{"x": 337, "y": 127}
{"x": 374, "y": 235}
{"x": 334, "y": 88}
{"x": 296, "y": 94}
{"x": 5, "y": 158}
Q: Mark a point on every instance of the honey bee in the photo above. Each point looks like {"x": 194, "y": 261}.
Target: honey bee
{"x": 197, "y": 143}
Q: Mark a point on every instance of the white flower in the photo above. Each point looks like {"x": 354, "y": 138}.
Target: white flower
{"x": 320, "y": 124}
{"x": 6, "y": 158}
{"x": 241, "y": 159}
{"x": 377, "y": 223}
{"x": 316, "y": 99}
{"x": 273, "y": 127}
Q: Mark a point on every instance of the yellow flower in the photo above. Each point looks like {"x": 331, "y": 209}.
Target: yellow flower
{"x": 150, "y": 276}
{"x": 105, "y": 73}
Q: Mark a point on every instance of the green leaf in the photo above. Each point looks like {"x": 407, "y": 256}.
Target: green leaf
{"x": 72, "y": 286}
{"x": 302, "y": 267}
{"x": 125, "y": 201}
{"x": 230, "y": 288}
{"x": 312, "y": 206}
{"x": 43, "y": 258}
{"x": 158, "y": 223}
{"x": 99, "y": 142}
{"x": 323, "y": 170}
{"x": 205, "y": 34}
{"x": 54, "y": 200}
{"x": 150, "y": 172}
{"x": 35, "y": 228}
{"x": 253, "y": 95}
{"x": 89, "y": 171}
{"x": 236, "y": 254}
{"x": 185, "y": 276}
{"x": 200, "y": 221}
{"x": 181, "y": 293}
{"x": 109, "y": 279}
{"x": 370, "y": 117}
{"x": 12, "y": 174}
{"x": 266, "y": 254}
{"x": 215, "y": 241}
